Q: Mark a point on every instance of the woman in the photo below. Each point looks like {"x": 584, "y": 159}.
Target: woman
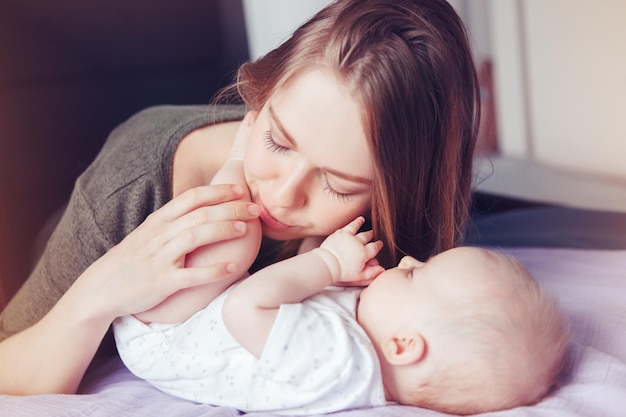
{"x": 370, "y": 108}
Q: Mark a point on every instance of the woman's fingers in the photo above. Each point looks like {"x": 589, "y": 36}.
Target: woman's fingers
{"x": 194, "y": 198}
{"x": 207, "y": 225}
{"x": 203, "y": 234}
{"x": 148, "y": 265}
{"x": 202, "y": 224}
{"x": 192, "y": 277}
{"x": 233, "y": 210}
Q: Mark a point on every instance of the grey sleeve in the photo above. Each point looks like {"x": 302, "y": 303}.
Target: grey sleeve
{"x": 72, "y": 247}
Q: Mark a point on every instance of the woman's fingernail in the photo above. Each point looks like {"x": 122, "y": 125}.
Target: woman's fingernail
{"x": 254, "y": 210}
{"x": 230, "y": 267}
{"x": 239, "y": 226}
{"x": 237, "y": 189}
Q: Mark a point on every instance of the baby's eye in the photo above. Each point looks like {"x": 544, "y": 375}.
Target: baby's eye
{"x": 271, "y": 144}
{"x": 343, "y": 197}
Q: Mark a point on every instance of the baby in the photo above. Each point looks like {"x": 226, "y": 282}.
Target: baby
{"x": 468, "y": 331}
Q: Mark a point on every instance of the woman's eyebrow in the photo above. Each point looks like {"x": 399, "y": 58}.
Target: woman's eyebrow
{"x": 349, "y": 177}
{"x": 291, "y": 140}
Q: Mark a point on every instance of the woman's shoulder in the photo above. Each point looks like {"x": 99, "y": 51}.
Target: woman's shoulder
{"x": 170, "y": 118}
{"x": 168, "y": 124}
{"x": 144, "y": 145}
{"x": 132, "y": 174}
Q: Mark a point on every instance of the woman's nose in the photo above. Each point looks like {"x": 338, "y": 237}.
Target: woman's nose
{"x": 292, "y": 188}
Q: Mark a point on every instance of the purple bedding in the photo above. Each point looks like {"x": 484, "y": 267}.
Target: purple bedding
{"x": 591, "y": 285}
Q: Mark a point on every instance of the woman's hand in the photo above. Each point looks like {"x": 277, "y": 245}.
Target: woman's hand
{"x": 148, "y": 265}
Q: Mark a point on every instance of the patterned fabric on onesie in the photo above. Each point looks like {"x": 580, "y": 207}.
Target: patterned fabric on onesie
{"x": 317, "y": 358}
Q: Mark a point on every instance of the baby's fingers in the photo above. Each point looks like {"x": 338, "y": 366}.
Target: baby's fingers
{"x": 354, "y": 226}
{"x": 366, "y": 276}
{"x": 371, "y": 270}
{"x": 365, "y": 237}
{"x": 372, "y": 249}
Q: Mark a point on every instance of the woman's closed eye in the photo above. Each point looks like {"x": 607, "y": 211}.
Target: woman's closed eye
{"x": 274, "y": 146}
{"x": 343, "y": 197}
{"x": 271, "y": 144}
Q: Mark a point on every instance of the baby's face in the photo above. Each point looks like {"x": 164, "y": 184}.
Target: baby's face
{"x": 416, "y": 289}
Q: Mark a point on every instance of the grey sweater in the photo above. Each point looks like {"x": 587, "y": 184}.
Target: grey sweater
{"x": 130, "y": 178}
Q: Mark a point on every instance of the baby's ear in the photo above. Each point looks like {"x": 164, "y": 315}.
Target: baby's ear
{"x": 404, "y": 349}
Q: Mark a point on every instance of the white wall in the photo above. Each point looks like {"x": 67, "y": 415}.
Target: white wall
{"x": 561, "y": 82}
{"x": 560, "y": 75}
{"x": 577, "y": 83}
{"x": 508, "y": 66}
{"x": 475, "y": 15}
{"x": 270, "y": 22}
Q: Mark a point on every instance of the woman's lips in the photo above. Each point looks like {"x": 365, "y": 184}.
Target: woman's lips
{"x": 268, "y": 219}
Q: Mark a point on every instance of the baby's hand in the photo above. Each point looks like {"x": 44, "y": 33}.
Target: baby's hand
{"x": 352, "y": 254}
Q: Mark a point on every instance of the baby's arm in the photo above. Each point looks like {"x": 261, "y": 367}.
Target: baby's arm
{"x": 242, "y": 251}
{"x": 250, "y": 309}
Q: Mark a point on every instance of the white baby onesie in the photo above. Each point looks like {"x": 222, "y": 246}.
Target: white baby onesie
{"x": 317, "y": 359}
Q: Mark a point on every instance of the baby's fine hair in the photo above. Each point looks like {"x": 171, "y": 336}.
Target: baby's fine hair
{"x": 504, "y": 349}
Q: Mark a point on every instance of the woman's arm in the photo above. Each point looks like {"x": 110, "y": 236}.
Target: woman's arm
{"x": 52, "y": 355}
{"x": 242, "y": 251}
{"x": 250, "y": 309}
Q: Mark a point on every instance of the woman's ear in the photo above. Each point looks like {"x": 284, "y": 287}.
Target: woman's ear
{"x": 404, "y": 349}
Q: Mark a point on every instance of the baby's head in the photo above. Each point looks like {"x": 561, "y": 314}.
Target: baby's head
{"x": 468, "y": 331}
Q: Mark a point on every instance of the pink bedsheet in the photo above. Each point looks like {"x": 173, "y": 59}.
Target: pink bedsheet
{"x": 590, "y": 284}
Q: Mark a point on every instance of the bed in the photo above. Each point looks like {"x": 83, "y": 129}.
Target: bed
{"x": 577, "y": 254}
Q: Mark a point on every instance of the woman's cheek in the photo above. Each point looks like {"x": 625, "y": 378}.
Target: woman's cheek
{"x": 338, "y": 214}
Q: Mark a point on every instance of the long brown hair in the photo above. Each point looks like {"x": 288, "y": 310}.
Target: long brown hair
{"x": 408, "y": 63}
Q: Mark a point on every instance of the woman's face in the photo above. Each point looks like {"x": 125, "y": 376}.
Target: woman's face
{"x": 308, "y": 163}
